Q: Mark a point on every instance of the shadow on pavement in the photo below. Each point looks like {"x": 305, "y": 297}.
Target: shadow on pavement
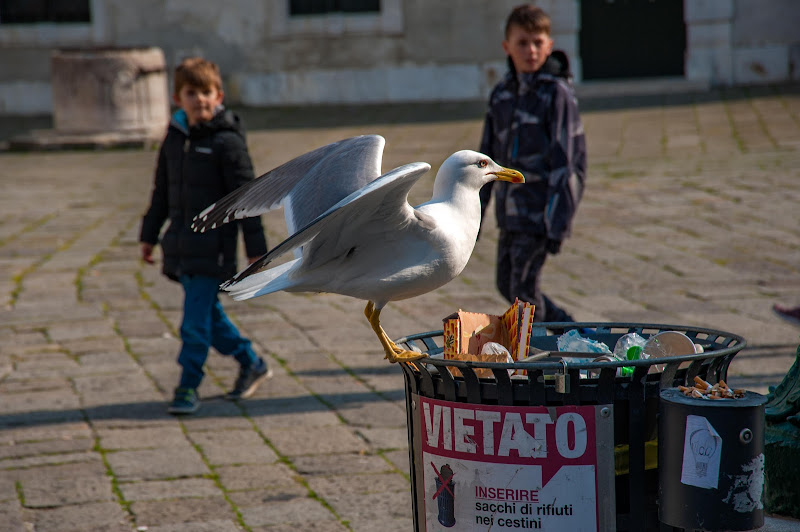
{"x": 211, "y": 406}
{"x": 341, "y": 372}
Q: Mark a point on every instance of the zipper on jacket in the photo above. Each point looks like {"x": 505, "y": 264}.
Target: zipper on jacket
{"x": 186, "y": 145}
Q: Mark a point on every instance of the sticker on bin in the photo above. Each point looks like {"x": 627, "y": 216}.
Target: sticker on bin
{"x": 702, "y": 451}
{"x": 510, "y": 468}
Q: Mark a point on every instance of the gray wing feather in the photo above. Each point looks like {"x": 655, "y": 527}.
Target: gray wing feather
{"x": 387, "y": 194}
{"x": 310, "y": 183}
{"x": 344, "y": 170}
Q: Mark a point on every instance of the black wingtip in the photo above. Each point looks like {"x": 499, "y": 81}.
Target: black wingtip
{"x": 233, "y": 280}
{"x": 196, "y": 224}
{"x": 230, "y": 282}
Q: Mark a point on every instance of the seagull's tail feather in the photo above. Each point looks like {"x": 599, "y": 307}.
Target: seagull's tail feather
{"x": 266, "y": 282}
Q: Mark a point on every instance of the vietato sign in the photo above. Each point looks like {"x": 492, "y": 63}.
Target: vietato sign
{"x": 510, "y": 468}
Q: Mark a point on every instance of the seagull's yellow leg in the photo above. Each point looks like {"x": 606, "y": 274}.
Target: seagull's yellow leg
{"x": 394, "y": 353}
{"x": 373, "y": 316}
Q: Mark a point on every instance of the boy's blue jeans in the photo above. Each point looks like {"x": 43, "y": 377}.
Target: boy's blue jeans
{"x": 206, "y": 325}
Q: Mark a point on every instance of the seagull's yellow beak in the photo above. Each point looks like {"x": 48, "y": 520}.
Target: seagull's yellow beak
{"x": 507, "y": 174}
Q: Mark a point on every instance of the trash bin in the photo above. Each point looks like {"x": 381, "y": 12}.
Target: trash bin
{"x": 711, "y": 454}
{"x": 553, "y": 444}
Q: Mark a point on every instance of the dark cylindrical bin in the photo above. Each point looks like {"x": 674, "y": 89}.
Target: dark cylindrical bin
{"x": 711, "y": 461}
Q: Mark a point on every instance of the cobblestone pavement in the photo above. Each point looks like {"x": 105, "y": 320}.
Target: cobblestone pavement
{"x": 689, "y": 217}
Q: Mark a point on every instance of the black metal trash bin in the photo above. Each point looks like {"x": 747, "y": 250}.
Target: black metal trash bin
{"x": 620, "y": 413}
{"x": 711, "y": 456}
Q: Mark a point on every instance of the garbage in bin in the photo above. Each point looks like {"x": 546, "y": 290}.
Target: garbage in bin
{"x": 572, "y": 341}
{"x": 475, "y": 336}
{"x": 467, "y": 332}
{"x": 665, "y": 344}
{"x": 600, "y": 431}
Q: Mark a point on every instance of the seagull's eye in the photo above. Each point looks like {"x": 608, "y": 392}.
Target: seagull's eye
{"x": 483, "y": 163}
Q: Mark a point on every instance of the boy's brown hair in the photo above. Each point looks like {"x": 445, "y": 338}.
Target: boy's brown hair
{"x": 530, "y": 18}
{"x": 197, "y": 72}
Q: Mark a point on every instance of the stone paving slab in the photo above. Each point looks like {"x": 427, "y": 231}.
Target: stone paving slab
{"x": 689, "y": 218}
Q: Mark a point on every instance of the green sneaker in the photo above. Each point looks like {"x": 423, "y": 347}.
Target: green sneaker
{"x": 186, "y": 401}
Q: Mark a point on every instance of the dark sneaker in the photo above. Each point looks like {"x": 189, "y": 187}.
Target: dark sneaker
{"x": 792, "y": 315}
{"x": 249, "y": 379}
{"x": 186, "y": 401}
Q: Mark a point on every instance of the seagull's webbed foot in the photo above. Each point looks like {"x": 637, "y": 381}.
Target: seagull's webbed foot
{"x": 394, "y": 353}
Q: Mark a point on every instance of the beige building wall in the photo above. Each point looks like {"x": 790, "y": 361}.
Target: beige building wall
{"x": 414, "y": 50}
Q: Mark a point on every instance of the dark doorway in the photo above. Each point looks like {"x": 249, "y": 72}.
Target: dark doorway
{"x": 632, "y": 38}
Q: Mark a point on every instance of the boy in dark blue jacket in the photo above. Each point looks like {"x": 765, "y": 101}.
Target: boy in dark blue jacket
{"x": 533, "y": 125}
{"x": 203, "y": 157}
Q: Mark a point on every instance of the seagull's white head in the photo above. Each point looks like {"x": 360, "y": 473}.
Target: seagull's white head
{"x": 473, "y": 169}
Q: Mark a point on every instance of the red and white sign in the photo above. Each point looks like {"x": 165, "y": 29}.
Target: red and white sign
{"x": 508, "y": 468}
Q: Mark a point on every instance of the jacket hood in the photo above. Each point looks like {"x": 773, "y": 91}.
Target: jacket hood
{"x": 224, "y": 119}
{"x": 556, "y": 65}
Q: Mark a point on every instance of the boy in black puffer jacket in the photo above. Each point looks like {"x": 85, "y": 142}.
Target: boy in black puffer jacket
{"x": 203, "y": 158}
{"x": 532, "y": 125}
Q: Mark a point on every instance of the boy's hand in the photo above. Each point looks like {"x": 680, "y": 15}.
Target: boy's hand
{"x": 147, "y": 252}
{"x": 251, "y": 260}
{"x": 553, "y": 246}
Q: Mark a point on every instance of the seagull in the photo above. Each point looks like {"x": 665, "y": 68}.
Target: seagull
{"x": 352, "y": 230}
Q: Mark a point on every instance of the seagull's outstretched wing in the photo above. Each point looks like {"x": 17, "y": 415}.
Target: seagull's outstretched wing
{"x": 307, "y": 185}
{"x": 383, "y": 203}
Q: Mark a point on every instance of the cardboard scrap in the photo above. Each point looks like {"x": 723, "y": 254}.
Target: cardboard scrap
{"x": 465, "y": 334}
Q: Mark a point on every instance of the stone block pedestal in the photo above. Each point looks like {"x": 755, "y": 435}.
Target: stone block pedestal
{"x": 104, "y": 97}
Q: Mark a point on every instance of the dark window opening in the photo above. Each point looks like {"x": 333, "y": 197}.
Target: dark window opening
{"x": 322, "y": 7}
{"x": 632, "y": 38}
{"x": 34, "y": 11}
